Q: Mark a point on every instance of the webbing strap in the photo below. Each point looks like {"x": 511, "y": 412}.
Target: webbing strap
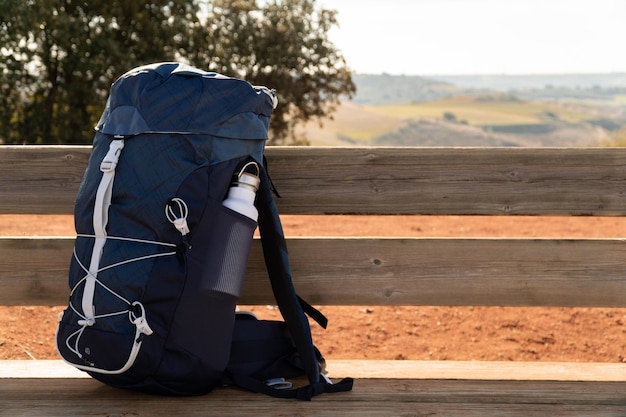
{"x": 100, "y": 220}
{"x": 314, "y": 313}
{"x": 305, "y": 393}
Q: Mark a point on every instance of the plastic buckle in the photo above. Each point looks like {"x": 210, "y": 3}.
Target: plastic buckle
{"x": 110, "y": 160}
{"x": 279, "y": 383}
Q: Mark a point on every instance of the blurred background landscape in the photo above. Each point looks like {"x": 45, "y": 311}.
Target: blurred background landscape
{"x": 553, "y": 110}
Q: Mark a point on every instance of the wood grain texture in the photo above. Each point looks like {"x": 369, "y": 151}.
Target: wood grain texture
{"x": 371, "y": 271}
{"x": 370, "y": 397}
{"x": 41, "y": 179}
{"x": 489, "y": 181}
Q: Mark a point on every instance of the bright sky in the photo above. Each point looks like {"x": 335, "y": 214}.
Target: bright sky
{"x": 436, "y": 37}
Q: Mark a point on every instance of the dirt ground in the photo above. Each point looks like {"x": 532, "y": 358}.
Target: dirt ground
{"x": 374, "y": 332}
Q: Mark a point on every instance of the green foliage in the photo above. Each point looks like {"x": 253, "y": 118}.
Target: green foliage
{"x": 59, "y": 57}
{"x": 282, "y": 45}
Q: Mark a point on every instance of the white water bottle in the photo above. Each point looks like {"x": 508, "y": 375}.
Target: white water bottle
{"x": 242, "y": 192}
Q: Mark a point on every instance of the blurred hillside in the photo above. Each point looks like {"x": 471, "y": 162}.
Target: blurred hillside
{"x": 568, "y": 110}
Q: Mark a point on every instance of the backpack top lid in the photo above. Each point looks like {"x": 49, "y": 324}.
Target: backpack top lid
{"x": 172, "y": 97}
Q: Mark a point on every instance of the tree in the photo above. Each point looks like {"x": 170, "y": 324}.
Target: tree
{"x": 449, "y": 117}
{"x": 282, "y": 45}
{"x": 59, "y": 57}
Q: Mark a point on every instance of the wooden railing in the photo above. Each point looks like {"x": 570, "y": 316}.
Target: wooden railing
{"x": 371, "y": 271}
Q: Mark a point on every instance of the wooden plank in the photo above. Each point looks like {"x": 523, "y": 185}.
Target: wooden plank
{"x": 33, "y": 369}
{"x": 370, "y": 397}
{"x": 369, "y": 271}
{"x": 389, "y": 369}
{"x": 312, "y": 409}
{"x": 40, "y": 179}
{"x": 33, "y": 271}
{"x": 477, "y": 370}
{"x": 450, "y": 180}
{"x": 372, "y": 180}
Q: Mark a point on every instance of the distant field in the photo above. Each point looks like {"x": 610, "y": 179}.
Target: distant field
{"x": 480, "y": 113}
{"x": 355, "y": 124}
{"x": 351, "y": 122}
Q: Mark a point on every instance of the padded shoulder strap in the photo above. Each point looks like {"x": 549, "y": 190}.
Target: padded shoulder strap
{"x": 279, "y": 270}
{"x": 291, "y": 306}
{"x": 262, "y": 360}
{"x": 305, "y": 393}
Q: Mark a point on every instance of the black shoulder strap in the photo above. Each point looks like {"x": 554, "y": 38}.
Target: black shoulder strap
{"x": 291, "y": 306}
{"x": 301, "y": 393}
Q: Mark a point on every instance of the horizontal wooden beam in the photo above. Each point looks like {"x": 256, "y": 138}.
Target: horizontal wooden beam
{"x": 390, "y": 369}
{"x": 41, "y": 179}
{"x": 374, "y": 397}
{"x": 490, "y": 181}
{"x": 372, "y": 271}
{"x": 477, "y": 370}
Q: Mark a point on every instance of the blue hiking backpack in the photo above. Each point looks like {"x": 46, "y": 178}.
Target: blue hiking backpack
{"x": 159, "y": 259}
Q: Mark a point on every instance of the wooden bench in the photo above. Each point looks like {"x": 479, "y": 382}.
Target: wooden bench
{"x": 366, "y": 271}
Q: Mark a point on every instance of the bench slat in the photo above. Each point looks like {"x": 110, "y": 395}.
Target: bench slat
{"x": 478, "y": 370}
{"x": 41, "y": 179}
{"x": 370, "y": 397}
{"x": 490, "y": 181}
{"x": 389, "y": 369}
{"x": 370, "y": 271}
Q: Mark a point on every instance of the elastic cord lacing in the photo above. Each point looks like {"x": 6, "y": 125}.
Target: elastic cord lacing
{"x": 135, "y": 307}
{"x": 91, "y": 282}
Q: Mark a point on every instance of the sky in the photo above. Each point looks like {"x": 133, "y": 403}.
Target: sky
{"x": 453, "y": 37}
